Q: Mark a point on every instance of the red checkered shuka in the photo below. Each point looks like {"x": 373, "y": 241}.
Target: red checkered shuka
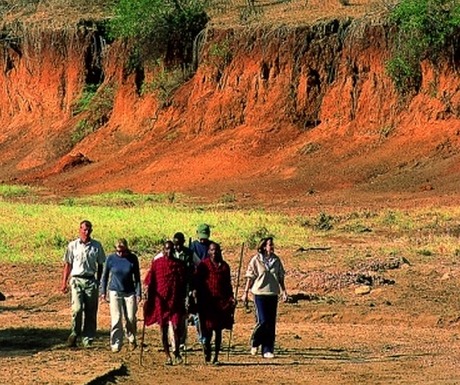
{"x": 214, "y": 295}
{"x": 166, "y": 288}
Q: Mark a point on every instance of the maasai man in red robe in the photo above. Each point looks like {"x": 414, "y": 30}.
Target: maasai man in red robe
{"x": 215, "y": 301}
{"x": 166, "y": 292}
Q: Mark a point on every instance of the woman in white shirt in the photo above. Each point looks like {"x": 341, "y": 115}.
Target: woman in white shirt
{"x": 265, "y": 279}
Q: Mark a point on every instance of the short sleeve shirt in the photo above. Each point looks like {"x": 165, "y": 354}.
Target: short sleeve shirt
{"x": 84, "y": 257}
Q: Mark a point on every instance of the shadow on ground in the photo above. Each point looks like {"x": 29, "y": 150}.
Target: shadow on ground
{"x": 27, "y": 341}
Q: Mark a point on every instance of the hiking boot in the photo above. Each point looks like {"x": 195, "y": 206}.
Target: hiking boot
{"x": 72, "y": 341}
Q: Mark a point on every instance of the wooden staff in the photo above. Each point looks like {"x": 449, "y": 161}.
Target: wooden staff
{"x": 142, "y": 341}
{"x": 236, "y": 298}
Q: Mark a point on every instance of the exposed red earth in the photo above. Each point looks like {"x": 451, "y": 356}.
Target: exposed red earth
{"x": 298, "y": 119}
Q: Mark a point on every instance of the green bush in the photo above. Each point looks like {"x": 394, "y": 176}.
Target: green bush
{"x": 87, "y": 96}
{"x": 254, "y": 237}
{"x": 160, "y": 28}
{"x": 424, "y": 29}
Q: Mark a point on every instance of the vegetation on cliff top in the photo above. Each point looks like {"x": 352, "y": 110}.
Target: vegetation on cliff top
{"x": 425, "y": 29}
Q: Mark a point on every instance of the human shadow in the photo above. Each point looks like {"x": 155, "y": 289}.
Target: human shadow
{"x": 24, "y": 341}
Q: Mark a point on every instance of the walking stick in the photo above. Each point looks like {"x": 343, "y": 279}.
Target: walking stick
{"x": 185, "y": 324}
{"x": 142, "y": 341}
{"x": 236, "y": 298}
{"x": 185, "y": 344}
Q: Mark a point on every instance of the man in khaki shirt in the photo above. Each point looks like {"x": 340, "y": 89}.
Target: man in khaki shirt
{"x": 83, "y": 264}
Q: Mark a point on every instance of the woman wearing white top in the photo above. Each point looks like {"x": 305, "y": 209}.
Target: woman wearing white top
{"x": 265, "y": 279}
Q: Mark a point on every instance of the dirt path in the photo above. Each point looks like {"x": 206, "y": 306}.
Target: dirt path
{"x": 316, "y": 344}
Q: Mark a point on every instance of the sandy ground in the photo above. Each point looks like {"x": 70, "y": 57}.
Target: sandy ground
{"x": 389, "y": 336}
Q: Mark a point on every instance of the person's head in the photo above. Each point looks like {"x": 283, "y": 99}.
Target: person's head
{"x": 215, "y": 252}
{"x": 203, "y": 232}
{"x": 179, "y": 241}
{"x": 121, "y": 247}
{"x": 266, "y": 246}
{"x": 86, "y": 228}
{"x": 168, "y": 249}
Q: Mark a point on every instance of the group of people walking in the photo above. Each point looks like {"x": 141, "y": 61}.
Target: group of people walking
{"x": 183, "y": 284}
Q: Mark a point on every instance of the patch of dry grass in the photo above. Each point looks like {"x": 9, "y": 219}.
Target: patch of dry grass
{"x": 57, "y": 14}
{"x": 54, "y": 14}
{"x": 287, "y": 12}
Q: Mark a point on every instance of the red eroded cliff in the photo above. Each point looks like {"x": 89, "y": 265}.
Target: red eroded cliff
{"x": 282, "y": 114}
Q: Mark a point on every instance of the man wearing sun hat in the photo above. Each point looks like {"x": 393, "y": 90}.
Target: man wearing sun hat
{"x": 199, "y": 247}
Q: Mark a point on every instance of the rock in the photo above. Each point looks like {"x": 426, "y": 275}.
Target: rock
{"x": 362, "y": 290}
{"x": 445, "y": 277}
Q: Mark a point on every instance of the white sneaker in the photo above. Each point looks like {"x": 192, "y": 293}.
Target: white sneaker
{"x": 253, "y": 351}
{"x": 269, "y": 355}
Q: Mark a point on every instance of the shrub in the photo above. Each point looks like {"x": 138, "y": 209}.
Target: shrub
{"x": 254, "y": 237}
{"x": 85, "y": 100}
{"x": 424, "y": 29}
{"x": 160, "y": 28}
{"x": 324, "y": 222}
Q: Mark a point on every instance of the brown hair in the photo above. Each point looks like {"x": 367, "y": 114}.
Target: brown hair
{"x": 263, "y": 242}
{"x": 122, "y": 241}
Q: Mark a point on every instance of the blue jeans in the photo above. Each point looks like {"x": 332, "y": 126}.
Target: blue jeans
{"x": 199, "y": 333}
{"x": 264, "y": 332}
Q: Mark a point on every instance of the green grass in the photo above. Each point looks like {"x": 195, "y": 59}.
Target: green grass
{"x": 11, "y": 191}
{"x": 36, "y": 230}
{"x": 40, "y": 231}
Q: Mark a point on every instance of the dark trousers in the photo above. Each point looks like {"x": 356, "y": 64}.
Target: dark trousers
{"x": 265, "y": 329}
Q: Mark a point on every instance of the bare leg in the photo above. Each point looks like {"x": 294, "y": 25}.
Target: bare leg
{"x": 165, "y": 342}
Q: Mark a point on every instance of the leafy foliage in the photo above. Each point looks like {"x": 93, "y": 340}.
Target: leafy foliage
{"x": 85, "y": 100}
{"x": 160, "y": 27}
{"x": 424, "y": 29}
{"x": 254, "y": 237}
